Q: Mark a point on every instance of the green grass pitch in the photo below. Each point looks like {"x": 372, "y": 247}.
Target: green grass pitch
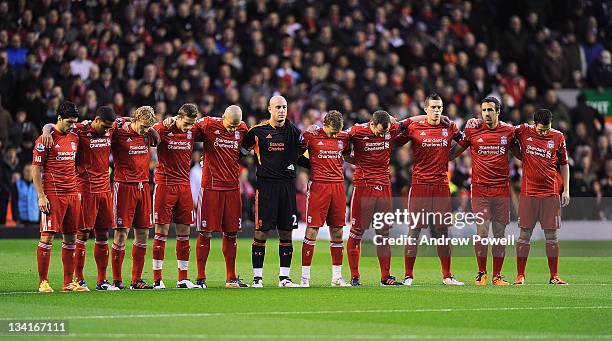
{"x": 428, "y": 310}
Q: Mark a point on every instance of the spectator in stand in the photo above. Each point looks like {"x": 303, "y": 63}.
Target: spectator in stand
{"x": 513, "y": 83}
{"x": 600, "y": 72}
{"x": 81, "y": 66}
{"x": 25, "y": 198}
{"x": 16, "y": 53}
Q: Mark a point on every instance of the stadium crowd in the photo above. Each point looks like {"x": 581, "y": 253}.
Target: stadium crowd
{"x": 353, "y": 56}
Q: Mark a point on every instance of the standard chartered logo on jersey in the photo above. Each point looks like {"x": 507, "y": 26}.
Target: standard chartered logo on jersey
{"x": 65, "y": 156}
{"x": 434, "y": 142}
{"x": 329, "y": 154}
{"x": 491, "y": 150}
{"x": 541, "y": 152}
{"x": 371, "y": 146}
{"x": 137, "y": 150}
{"x": 179, "y": 145}
{"x": 223, "y": 143}
{"x": 100, "y": 143}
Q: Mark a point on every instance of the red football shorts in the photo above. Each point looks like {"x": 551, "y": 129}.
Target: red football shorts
{"x": 433, "y": 202}
{"x": 132, "y": 205}
{"x": 546, "y": 210}
{"x": 172, "y": 203}
{"x": 64, "y": 214}
{"x": 491, "y": 203}
{"x": 97, "y": 211}
{"x": 219, "y": 211}
{"x": 367, "y": 201}
{"x": 325, "y": 202}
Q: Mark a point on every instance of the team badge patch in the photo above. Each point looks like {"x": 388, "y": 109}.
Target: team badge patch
{"x": 504, "y": 140}
{"x": 444, "y": 132}
{"x": 551, "y": 144}
{"x": 189, "y": 135}
{"x": 340, "y": 145}
{"x": 40, "y": 147}
{"x": 237, "y": 135}
{"x": 387, "y": 136}
{"x": 73, "y": 145}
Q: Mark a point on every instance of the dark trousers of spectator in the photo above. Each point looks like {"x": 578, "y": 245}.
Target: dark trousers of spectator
{"x": 4, "y": 200}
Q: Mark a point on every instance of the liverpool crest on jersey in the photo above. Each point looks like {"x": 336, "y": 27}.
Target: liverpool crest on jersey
{"x": 504, "y": 140}
{"x": 551, "y": 144}
{"x": 340, "y": 145}
{"x": 237, "y": 135}
{"x": 189, "y": 135}
{"x": 444, "y": 132}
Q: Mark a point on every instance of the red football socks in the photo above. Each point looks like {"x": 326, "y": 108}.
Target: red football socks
{"x": 481, "y": 256}
{"x": 43, "y": 256}
{"x": 79, "y": 258}
{"x": 552, "y": 252}
{"x": 68, "y": 261}
{"x": 308, "y": 247}
{"x": 522, "y": 252}
{"x": 353, "y": 251}
{"x": 229, "y": 248}
{"x": 139, "y": 251}
{"x": 159, "y": 250}
{"x": 182, "y": 255}
{"x": 202, "y": 251}
{"x": 117, "y": 254}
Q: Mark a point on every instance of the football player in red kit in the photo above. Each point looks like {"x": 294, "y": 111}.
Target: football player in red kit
{"x": 430, "y": 193}
{"x": 53, "y": 173}
{"x": 542, "y": 148}
{"x": 93, "y": 181}
{"x": 131, "y": 192}
{"x": 489, "y": 146}
{"x": 326, "y": 197}
{"x": 172, "y": 194}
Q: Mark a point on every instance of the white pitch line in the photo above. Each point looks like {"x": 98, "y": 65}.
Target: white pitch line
{"x": 314, "y": 312}
{"x": 330, "y": 336}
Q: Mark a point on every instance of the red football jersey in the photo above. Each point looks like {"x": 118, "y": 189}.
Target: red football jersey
{"x": 431, "y": 145}
{"x": 325, "y": 154}
{"x": 131, "y": 155}
{"x": 489, "y": 150}
{"x": 540, "y": 157}
{"x": 221, "y": 151}
{"x": 92, "y": 160}
{"x": 372, "y": 153}
{"x": 174, "y": 154}
{"x": 59, "y": 174}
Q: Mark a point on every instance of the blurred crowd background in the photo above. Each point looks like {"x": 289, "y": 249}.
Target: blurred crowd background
{"x": 351, "y": 55}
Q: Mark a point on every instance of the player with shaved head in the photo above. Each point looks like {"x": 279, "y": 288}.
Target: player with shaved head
{"x": 276, "y": 144}
{"x": 219, "y": 203}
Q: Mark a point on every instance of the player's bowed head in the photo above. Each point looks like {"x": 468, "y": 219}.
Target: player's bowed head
{"x": 543, "y": 121}
{"x": 105, "y": 117}
{"x": 143, "y": 119}
{"x": 67, "y": 115}
{"x": 232, "y": 117}
{"x": 333, "y": 123}
{"x": 381, "y": 123}
{"x": 186, "y": 117}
